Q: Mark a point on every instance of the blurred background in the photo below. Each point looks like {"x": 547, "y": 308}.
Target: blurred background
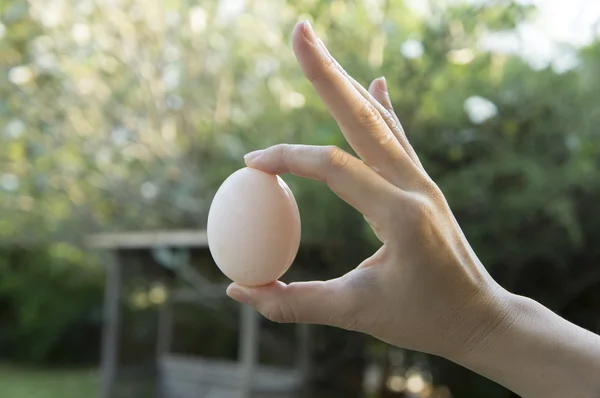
{"x": 122, "y": 118}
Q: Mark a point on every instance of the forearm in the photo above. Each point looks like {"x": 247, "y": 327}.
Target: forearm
{"x": 540, "y": 354}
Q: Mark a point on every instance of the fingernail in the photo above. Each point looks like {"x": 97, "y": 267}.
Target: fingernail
{"x": 239, "y": 294}
{"x": 253, "y": 155}
{"x": 309, "y": 33}
{"x": 383, "y": 84}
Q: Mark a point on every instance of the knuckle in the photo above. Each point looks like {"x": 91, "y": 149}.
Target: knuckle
{"x": 399, "y": 132}
{"x": 351, "y": 323}
{"x": 352, "y": 318}
{"x": 367, "y": 114}
{"x": 321, "y": 70}
{"x": 334, "y": 158}
{"x": 421, "y": 211}
{"x": 284, "y": 151}
{"x": 388, "y": 118}
{"x": 282, "y": 155}
{"x": 424, "y": 208}
{"x": 280, "y": 312}
{"x": 432, "y": 191}
{"x": 425, "y": 217}
{"x": 281, "y": 147}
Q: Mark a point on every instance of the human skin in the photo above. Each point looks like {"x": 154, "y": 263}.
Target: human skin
{"x": 424, "y": 289}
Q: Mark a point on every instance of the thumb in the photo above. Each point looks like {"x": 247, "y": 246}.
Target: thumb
{"x": 326, "y": 303}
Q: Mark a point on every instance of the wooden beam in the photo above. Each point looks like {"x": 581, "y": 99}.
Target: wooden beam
{"x": 110, "y": 332}
{"x": 248, "y": 348}
{"x": 268, "y": 381}
{"x": 165, "y": 326}
{"x": 144, "y": 240}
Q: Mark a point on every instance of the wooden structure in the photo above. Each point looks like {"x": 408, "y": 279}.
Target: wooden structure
{"x": 184, "y": 376}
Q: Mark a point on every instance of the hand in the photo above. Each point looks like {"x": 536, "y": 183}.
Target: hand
{"x": 424, "y": 289}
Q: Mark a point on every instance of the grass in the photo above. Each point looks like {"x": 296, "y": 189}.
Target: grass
{"x": 16, "y": 382}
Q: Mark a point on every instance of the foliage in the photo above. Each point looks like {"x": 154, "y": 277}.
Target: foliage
{"x": 50, "y": 299}
{"x": 31, "y": 383}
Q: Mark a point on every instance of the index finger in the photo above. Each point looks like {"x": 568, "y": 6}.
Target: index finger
{"x": 348, "y": 177}
{"x": 360, "y": 121}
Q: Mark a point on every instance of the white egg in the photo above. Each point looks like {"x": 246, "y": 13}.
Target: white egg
{"x": 253, "y": 227}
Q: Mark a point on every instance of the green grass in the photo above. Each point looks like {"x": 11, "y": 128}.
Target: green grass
{"x": 18, "y": 382}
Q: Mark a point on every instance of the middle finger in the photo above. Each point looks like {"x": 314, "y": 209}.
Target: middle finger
{"x": 360, "y": 122}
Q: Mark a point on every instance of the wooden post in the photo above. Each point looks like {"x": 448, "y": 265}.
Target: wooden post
{"x": 163, "y": 341}
{"x": 110, "y": 332}
{"x": 248, "y": 348}
{"x": 165, "y": 326}
{"x": 303, "y": 353}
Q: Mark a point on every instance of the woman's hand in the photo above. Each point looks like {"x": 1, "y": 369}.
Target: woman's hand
{"x": 424, "y": 289}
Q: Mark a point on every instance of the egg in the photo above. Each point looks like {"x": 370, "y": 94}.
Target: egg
{"x": 253, "y": 227}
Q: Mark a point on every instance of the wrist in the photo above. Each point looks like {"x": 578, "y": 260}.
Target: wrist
{"x": 485, "y": 319}
{"x": 534, "y": 352}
